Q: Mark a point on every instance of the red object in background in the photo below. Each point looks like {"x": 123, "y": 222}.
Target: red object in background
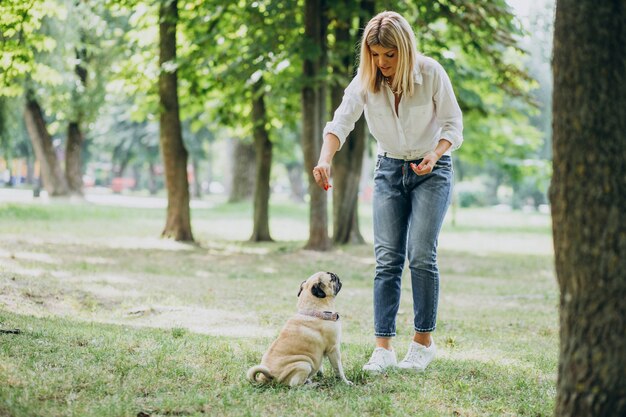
{"x": 119, "y": 184}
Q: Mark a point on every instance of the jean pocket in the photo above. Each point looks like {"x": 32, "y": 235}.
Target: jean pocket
{"x": 445, "y": 162}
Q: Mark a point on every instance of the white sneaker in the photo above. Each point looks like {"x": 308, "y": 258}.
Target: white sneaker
{"x": 380, "y": 360}
{"x": 418, "y": 357}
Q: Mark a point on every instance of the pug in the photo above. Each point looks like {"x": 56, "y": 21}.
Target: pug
{"x": 309, "y": 335}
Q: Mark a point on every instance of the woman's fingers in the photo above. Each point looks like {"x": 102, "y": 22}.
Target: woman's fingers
{"x": 322, "y": 177}
{"x": 425, "y": 167}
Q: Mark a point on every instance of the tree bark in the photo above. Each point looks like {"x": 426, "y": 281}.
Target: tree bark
{"x": 313, "y": 115}
{"x": 51, "y": 174}
{"x": 197, "y": 185}
{"x": 347, "y": 177}
{"x": 178, "y": 223}
{"x": 296, "y": 185}
{"x": 263, "y": 147}
{"x": 75, "y": 137}
{"x": 348, "y": 163}
{"x": 152, "y": 179}
{"x": 243, "y": 172}
{"x": 588, "y": 196}
{"x": 73, "y": 163}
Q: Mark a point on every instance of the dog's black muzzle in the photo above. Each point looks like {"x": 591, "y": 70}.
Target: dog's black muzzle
{"x": 335, "y": 280}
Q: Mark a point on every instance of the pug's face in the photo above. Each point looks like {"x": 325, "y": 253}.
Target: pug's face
{"x": 321, "y": 285}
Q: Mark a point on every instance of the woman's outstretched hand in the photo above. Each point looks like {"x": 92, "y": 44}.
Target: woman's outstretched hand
{"x": 321, "y": 174}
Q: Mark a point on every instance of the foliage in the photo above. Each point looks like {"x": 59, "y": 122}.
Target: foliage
{"x": 22, "y": 40}
{"x": 223, "y": 47}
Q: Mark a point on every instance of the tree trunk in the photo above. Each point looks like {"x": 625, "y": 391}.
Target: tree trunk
{"x": 313, "y": 115}
{"x": 347, "y": 168}
{"x": 51, "y": 174}
{"x": 75, "y": 138}
{"x": 152, "y": 179}
{"x": 243, "y": 172}
{"x": 588, "y": 196}
{"x": 197, "y": 185}
{"x": 178, "y": 223}
{"x": 263, "y": 146}
{"x": 348, "y": 163}
{"x": 136, "y": 169}
{"x": 73, "y": 165}
{"x": 296, "y": 185}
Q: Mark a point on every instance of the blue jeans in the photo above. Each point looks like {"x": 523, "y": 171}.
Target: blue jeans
{"x": 408, "y": 213}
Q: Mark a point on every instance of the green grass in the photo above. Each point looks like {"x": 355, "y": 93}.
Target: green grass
{"x": 115, "y": 321}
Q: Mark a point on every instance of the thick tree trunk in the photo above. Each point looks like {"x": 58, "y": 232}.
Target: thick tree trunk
{"x": 73, "y": 165}
{"x": 348, "y": 163}
{"x": 51, "y": 174}
{"x": 243, "y": 172}
{"x": 313, "y": 115}
{"x": 347, "y": 166}
{"x": 263, "y": 146}
{"x": 588, "y": 196}
{"x": 178, "y": 223}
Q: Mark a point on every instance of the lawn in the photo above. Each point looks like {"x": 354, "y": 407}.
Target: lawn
{"x": 114, "y": 321}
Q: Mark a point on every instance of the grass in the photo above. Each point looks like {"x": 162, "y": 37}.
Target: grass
{"x": 116, "y": 322}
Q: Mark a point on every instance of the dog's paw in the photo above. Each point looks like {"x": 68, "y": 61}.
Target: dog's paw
{"x": 310, "y": 384}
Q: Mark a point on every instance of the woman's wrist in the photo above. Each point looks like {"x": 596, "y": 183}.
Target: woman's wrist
{"x": 437, "y": 154}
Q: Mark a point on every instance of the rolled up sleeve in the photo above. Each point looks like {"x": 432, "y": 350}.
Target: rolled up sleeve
{"x": 448, "y": 112}
{"x": 347, "y": 113}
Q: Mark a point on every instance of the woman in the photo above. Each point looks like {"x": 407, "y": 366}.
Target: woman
{"x": 412, "y": 112}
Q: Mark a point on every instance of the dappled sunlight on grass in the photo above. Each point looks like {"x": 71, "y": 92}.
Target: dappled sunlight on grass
{"x": 29, "y": 256}
{"x": 214, "y": 321}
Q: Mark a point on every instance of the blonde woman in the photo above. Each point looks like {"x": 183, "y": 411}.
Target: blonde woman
{"x": 412, "y": 112}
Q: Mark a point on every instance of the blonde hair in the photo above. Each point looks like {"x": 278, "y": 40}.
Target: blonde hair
{"x": 389, "y": 30}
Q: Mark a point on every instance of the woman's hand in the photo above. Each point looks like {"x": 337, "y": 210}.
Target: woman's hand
{"x": 321, "y": 174}
{"x": 427, "y": 165}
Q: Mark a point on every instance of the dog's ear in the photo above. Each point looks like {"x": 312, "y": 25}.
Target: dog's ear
{"x": 317, "y": 290}
{"x": 301, "y": 288}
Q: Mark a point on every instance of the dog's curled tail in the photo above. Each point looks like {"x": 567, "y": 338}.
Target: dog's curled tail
{"x": 259, "y": 369}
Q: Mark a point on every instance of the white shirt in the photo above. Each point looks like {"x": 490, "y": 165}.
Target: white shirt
{"x": 431, "y": 114}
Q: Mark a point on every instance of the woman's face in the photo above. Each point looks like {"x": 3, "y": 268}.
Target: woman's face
{"x": 386, "y": 59}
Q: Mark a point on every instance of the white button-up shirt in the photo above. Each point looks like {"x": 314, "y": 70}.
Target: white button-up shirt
{"x": 429, "y": 115}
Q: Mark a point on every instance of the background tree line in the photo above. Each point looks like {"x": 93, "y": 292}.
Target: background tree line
{"x": 162, "y": 85}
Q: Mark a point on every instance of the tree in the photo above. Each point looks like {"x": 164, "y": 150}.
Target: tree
{"x": 315, "y": 61}
{"x": 178, "y": 223}
{"x": 75, "y": 137}
{"x": 23, "y": 40}
{"x": 263, "y": 147}
{"x": 588, "y": 195}
{"x": 51, "y": 174}
{"x": 349, "y": 162}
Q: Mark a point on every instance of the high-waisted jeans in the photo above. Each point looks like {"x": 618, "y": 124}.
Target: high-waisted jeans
{"x": 408, "y": 213}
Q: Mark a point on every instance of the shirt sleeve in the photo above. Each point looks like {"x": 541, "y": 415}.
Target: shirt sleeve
{"x": 348, "y": 112}
{"x": 448, "y": 112}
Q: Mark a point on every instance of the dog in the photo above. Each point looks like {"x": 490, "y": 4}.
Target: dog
{"x": 312, "y": 333}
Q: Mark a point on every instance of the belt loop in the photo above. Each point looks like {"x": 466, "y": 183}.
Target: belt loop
{"x": 385, "y": 154}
